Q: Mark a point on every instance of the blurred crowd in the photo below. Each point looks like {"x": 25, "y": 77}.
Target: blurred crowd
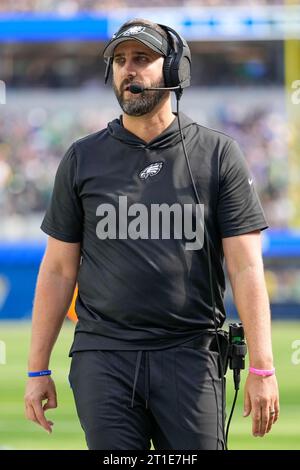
{"x": 73, "y": 6}
{"x": 283, "y": 285}
{"x": 263, "y": 136}
{"x": 33, "y": 140}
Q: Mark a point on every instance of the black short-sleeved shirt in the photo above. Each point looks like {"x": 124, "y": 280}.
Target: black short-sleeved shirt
{"x": 140, "y": 286}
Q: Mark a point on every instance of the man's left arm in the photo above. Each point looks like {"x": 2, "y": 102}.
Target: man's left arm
{"x": 243, "y": 256}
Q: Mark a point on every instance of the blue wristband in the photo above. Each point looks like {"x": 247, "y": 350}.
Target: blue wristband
{"x": 39, "y": 373}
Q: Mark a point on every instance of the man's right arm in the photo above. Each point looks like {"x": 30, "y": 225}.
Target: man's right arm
{"x": 54, "y": 291}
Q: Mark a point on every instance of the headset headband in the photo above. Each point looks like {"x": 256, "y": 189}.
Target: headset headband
{"x": 177, "y": 55}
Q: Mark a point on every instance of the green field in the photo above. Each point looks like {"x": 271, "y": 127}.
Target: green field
{"x": 18, "y": 433}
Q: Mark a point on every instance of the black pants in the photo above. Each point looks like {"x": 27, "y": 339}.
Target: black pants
{"x": 173, "y": 397}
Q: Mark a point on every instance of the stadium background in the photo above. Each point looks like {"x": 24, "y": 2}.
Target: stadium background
{"x": 245, "y": 82}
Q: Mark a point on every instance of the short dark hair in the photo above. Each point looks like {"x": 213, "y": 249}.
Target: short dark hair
{"x": 143, "y": 21}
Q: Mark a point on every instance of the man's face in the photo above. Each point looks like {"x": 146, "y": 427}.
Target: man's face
{"x": 134, "y": 63}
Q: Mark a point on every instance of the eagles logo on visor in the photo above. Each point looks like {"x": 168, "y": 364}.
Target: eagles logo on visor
{"x": 133, "y": 30}
{"x": 143, "y": 34}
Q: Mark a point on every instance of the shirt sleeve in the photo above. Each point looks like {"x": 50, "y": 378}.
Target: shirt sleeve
{"x": 239, "y": 209}
{"x": 64, "y": 216}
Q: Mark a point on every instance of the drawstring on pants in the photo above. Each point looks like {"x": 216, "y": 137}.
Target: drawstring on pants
{"x": 147, "y": 377}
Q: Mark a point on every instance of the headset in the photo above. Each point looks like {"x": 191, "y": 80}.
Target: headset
{"x": 177, "y": 63}
{"x": 177, "y": 76}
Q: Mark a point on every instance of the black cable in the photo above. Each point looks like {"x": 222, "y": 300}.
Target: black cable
{"x": 178, "y": 96}
{"x": 231, "y": 414}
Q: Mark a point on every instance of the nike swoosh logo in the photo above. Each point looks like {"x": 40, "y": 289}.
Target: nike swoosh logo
{"x": 250, "y": 181}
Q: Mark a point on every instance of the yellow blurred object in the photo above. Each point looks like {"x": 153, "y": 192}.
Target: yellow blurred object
{"x": 292, "y": 78}
{"x": 271, "y": 283}
{"x": 71, "y": 312}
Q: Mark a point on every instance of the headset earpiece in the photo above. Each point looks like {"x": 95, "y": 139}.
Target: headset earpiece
{"x": 167, "y": 71}
{"x": 177, "y": 65}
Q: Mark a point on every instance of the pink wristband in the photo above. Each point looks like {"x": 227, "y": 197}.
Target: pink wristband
{"x": 262, "y": 372}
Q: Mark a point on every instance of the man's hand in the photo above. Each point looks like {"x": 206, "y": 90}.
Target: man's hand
{"x": 39, "y": 389}
{"x": 261, "y": 399}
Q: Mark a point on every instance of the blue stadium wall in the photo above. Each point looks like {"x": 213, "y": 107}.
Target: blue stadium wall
{"x": 19, "y": 264}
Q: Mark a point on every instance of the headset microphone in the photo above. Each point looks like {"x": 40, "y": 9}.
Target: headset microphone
{"x": 135, "y": 89}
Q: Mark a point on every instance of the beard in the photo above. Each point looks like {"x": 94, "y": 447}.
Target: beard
{"x": 142, "y": 104}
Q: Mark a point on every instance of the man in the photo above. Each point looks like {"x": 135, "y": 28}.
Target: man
{"x": 123, "y": 212}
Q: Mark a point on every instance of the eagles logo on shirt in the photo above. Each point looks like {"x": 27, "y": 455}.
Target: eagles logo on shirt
{"x": 151, "y": 170}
